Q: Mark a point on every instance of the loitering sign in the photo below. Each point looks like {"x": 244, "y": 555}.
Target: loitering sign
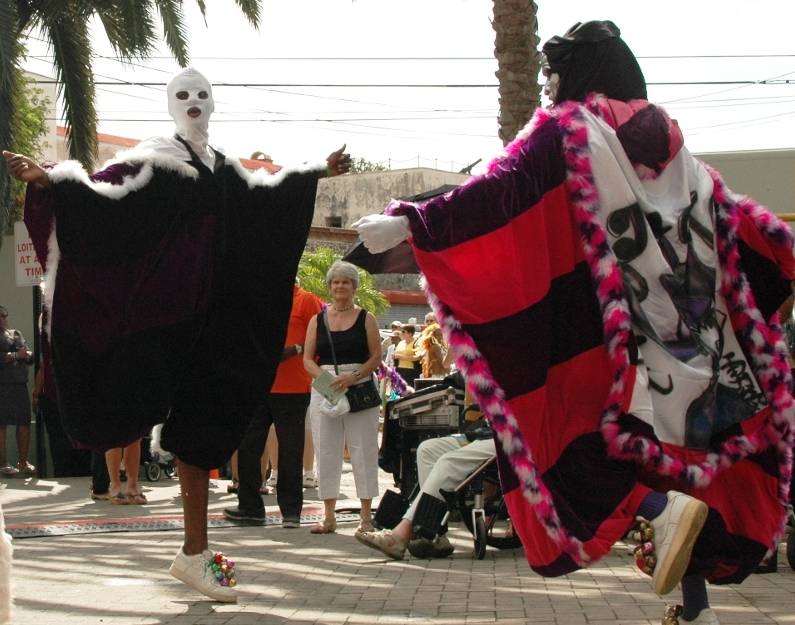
{"x": 27, "y": 269}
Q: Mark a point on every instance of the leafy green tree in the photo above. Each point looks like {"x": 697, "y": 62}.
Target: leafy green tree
{"x": 360, "y": 165}
{"x": 31, "y": 107}
{"x": 312, "y": 272}
{"x": 64, "y": 24}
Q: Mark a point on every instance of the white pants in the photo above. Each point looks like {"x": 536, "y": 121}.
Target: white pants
{"x": 443, "y": 463}
{"x": 360, "y": 431}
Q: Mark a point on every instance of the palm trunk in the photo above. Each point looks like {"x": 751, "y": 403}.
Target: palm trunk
{"x": 519, "y": 62}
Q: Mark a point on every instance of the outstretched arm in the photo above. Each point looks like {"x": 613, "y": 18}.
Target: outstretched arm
{"x": 22, "y": 168}
{"x": 338, "y": 163}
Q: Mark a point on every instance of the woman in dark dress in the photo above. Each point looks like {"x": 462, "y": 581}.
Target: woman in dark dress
{"x": 14, "y": 396}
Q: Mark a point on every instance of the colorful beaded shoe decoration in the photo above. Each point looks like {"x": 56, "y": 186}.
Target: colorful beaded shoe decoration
{"x": 672, "y": 614}
{"x": 645, "y": 555}
{"x": 223, "y": 569}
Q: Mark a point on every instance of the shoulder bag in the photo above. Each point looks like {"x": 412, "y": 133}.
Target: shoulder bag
{"x": 360, "y": 396}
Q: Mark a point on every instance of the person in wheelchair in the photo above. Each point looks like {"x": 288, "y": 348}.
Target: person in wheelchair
{"x": 442, "y": 464}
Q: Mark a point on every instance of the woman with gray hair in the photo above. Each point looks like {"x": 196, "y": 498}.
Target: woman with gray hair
{"x": 357, "y": 352}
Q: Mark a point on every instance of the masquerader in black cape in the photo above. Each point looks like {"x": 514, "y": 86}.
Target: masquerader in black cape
{"x": 168, "y": 287}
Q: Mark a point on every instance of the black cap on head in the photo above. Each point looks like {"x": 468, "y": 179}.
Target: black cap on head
{"x": 592, "y": 57}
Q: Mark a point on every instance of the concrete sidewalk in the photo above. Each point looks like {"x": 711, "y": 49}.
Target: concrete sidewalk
{"x": 292, "y": 576}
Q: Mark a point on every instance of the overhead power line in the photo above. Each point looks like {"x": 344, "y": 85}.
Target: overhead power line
{"x": 417, "y": 86}
{"x": 422, "y": 58}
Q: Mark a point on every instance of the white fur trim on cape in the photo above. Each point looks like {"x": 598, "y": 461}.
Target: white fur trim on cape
{"x": 6, "y": 552}
{"x": 149, "y": 161}
{"x": 162, "y": 159}
{"x": 262, "y": 178}
{"x": 170, "y": 146}
{"x": 48, "y": 284}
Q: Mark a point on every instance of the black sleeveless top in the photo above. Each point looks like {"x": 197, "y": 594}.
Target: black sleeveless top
{"x": 350, "y": 346}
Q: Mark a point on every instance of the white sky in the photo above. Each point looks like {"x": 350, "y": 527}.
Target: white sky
{"x": 445, "y": 127}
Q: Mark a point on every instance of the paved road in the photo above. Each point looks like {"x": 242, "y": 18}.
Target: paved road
{"x": 291, "y": 576}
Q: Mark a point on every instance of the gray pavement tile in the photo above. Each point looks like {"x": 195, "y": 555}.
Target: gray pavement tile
{"x": 291, "y": 576}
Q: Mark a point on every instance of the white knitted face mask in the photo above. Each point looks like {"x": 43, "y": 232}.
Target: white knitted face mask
{"x": 190, "y": 103}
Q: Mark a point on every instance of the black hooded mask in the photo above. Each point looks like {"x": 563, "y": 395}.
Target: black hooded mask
{"x": 593, "y": 57}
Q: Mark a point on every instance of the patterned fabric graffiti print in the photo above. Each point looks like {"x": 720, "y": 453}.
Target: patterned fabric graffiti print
{"x": 693, "y": 363}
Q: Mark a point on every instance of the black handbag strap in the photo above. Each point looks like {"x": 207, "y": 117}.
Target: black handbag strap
{"x": 331, "y": 343}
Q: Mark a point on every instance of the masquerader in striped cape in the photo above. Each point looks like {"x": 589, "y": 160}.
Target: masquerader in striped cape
{"x": 614, "y": 308}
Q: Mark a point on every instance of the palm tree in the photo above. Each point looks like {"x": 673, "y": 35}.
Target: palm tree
{"x": 130, "y": 28}
{"x": 519, "y": 62}
{"x": 312, "y": 272}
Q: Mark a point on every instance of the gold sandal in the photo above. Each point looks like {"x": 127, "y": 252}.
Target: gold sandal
{"x": 137, "y": 498}
{"x": 324, "y": 527}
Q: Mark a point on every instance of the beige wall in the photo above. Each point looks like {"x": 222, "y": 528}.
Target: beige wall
{"x": 357, "y": 195}
{"x": 767, "y": 176}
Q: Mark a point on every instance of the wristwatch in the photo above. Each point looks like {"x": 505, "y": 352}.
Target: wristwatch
{"x": 357, "y": 373}
{"x": 299, "y": 349}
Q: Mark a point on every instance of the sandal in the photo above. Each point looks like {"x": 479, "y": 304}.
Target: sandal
{"x": 509, "y": 531}
{"x": 119, "y": 499}
{"x": 234, "y": 486}
{"x": 365, "y": 526}
{"x": 137, "y": 499}
{"x": 383, "y": 541}
{"x": 770, "y": 565}
{"x": 324, "y": 527}
{"x": 27, "y": 468}
{"x": 9, "y": 470}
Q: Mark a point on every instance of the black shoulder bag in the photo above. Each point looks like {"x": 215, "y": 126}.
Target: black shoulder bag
{"x": 360, "y": 396}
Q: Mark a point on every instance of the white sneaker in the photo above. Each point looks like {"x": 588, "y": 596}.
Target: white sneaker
{"x": 193, "y": 570}
{"x": 310, "y": 481}
{"x": 673, "y": 616}
{"x": 675, "y": 533}
{"x": 705, "y": 617}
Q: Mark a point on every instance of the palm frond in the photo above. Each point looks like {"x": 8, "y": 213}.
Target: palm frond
{"x": 23, "y": 12}
{"x": 251, "y": 9}
{"x": 71, "y": 48}
{"x": 9, "y": 75}
{"x": 312, "y": 272}
{"x": 129, "y": 27}
{"x": 203, "y": 8}
{"x": 174, "y": 31}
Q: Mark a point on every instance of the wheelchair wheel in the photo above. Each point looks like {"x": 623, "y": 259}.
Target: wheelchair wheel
{"x": 152, "y": 471}
{"x": 791, "y": 550}
{"x": 480, "y": 536}
{"x": 170, "y": 471}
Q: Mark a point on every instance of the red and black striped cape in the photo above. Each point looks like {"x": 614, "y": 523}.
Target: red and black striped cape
{"x": 527, "y": 289}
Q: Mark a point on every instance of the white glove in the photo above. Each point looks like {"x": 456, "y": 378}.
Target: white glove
{"x": 380, "y": 233}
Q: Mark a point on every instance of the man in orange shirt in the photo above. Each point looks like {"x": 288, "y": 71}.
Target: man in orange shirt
{"x": 286, "y": 410}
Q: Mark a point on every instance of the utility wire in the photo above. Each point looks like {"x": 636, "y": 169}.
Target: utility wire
{"x": 421, "y": 86}
{"x": 415, "y": 58}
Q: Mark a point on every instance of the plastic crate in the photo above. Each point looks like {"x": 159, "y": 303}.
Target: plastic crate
{"x": 442, "y": 417}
